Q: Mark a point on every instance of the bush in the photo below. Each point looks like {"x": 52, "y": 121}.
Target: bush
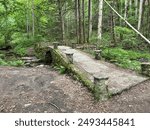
{"x": 20, "y": 43}
{"x": 20, "y": 51}
{"x": 126, "y": 37}
{"x": 124, "y": 58}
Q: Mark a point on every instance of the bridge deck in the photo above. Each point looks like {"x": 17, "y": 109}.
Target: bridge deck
{"x": 119, "y": 79}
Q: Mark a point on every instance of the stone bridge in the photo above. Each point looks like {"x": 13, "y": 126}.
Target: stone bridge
{"x": 102, "y": 78}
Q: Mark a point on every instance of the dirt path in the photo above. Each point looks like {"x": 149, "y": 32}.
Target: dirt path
{"x": 42, "y": 89}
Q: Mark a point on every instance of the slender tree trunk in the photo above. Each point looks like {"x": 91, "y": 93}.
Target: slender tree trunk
{"x": 100, "y": 13}
{"x": 121, "y": 12}
{"x": 112, "y": 25}
{"x": 126, "y": 9}
{"x": 80, "y": 22}
{"x": 83, "y": 21}
{"x": 130, "y": 4}
{"x": 148, "y": 20}
{"x": 27, "y": 18}
{"x": 143, "y": 24}
{"x": 136, "y": 8}
{"x": 76, "y": 20}
{"x": 61, "y": 19}
{"x": 33, "y": 19}
{"x": 140, "y": 14}
{"x": 89, "y": 20}
{"x": 6, "y": 22}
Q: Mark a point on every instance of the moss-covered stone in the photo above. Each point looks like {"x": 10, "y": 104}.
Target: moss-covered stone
{"x": 59, "y": 60}
{"x": 41, "y": 49}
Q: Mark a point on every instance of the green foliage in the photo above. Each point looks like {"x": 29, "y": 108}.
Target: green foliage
{"x": 61, "y": 69}
{"x": 16, "y": 63}
{"x": 124, "y": 58}
{"x": 21, "y": 40}
{"x": 20, "y": 51}
{"x": 20, "y": 43}
{"x": 2, "y": 56}
{"x": 2, "y": 62}
{"x": 126, "y": 37}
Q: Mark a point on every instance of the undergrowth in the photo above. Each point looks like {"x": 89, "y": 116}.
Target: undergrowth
{"x": 124, "y": 58}
{"x": 16, "y": 63}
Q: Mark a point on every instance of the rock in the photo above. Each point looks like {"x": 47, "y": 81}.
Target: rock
{"x": 40, "y": 66}
{"x": 27, "y": 105}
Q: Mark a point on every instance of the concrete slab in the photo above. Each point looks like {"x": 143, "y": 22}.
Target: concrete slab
{"x": 119, "y": 79}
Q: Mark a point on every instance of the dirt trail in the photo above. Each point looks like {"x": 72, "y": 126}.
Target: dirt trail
{"x": 41, "y": 89}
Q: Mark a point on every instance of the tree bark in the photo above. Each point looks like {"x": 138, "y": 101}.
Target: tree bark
{"x": 126, "y": 9}
{"x": 112, "y": 26}
{"x": 27, "y": 20}
{"x": 89, "y": 20}
{"x": 136, "y": 8}
{"x": 83, "y": 21}
{"x": 80, "y": 22}
{"x": 140, "y": 14}
{"x": 61, "y": 19}
{"x": 76, "y": 20}
{"x": 33, "y": 19}
{"x": 100, "y": 12}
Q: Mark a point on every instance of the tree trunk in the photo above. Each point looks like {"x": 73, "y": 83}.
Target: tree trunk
{"x": 61, "y": 19}
{"x": 126, "y": 9}
{"x": 136, "y": 8}
{"x": 33, "y": 19}
{"x": 80, "y": 22}
{"x": 76, "y": 20}
{"x": 148, "y": 20}
{"x": 83, "y": 21}
{"x": 112, "y": 26}
{"x": 27, "y": 20}
{"x": 140, "y": 14}
{"x": 100, "y": 12}
{"x": 89, "y": 20}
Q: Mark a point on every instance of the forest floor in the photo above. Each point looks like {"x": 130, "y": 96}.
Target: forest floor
{"x": 42, "y": 89}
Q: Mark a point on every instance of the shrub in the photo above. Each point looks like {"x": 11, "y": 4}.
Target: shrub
{"x": 124, "y": 58}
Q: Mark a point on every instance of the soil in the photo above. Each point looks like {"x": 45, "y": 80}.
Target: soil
{"x": 42, "y": 89}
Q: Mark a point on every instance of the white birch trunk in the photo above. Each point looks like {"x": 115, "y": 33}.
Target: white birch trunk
{"x": 140, "y": 14}
{"x": 100, "y": 17}
{"x": 136, "y": 8}
{"x": 130, "y": 4}
{"x": 126, "y": 7}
